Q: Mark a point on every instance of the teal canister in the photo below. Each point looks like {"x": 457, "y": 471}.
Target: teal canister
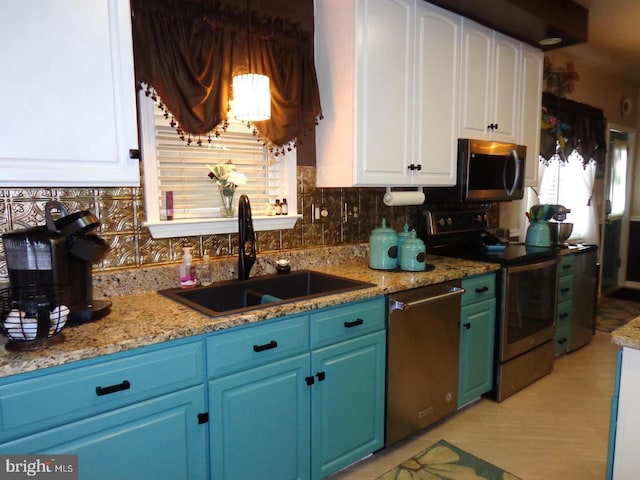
{"x": 538, "y": 234}
{"x": 413, "y": 254}
{"x": 402, "y": 236}
{"x": 383, "y": 248}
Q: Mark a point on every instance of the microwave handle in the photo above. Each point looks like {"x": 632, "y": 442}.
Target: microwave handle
{"x": 516, "y": 177}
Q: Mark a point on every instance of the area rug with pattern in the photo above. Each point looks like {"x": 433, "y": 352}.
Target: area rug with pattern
{"x": 446, "y": 462}
{"x": 613, "y": 313}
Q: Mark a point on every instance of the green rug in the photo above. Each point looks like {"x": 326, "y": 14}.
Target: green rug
{"x": 446, "y": 462}
{"x": 613, "y": 313}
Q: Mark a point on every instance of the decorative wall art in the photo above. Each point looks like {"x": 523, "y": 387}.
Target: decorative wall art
{"x": 561, "y": 80}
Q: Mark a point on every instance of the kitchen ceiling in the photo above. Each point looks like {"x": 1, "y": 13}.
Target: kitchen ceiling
{"x": 614, "y": 40}
{"x": 599, "y": 33}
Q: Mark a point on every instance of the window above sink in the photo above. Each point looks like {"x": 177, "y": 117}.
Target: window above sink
{"x": 170, "y": 164}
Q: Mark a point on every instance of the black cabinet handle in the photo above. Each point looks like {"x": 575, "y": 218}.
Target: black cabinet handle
{"x": 310, "y": 380}
{"x": 562, "y": 341}
{"x": 565, "y": 290}
{"x": 564, "y": 315}
{"x": 321, "y": 376}
{"x": 134, "y": 153}
{"x": 482, "y": 289}
{"x": 125, "y": 385}
{"x": 266, "y": 346}
{"x": 467, "y": 325}
{"x": 355, "y": 323}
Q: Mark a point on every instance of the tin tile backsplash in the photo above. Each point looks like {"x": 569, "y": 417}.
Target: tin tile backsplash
{"x": 351, "y": 214}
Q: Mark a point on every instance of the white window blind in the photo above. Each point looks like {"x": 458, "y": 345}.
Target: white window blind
{"x": 182, "y": 169}
{"x": 172, "y": 165}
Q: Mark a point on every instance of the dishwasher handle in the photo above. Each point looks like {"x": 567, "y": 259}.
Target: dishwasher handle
{"x": 398, "y": 305}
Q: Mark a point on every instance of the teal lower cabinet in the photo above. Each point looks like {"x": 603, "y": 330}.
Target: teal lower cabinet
{"x": 304, "y": 414}
{"x": 477, "y": 337}
{"x": 347, "y": 416}
{"x": 133, "y": 416}
{"x": 565, "y": 304}
{"x": 260, "y": 422}
{"x": 151, "y": 440}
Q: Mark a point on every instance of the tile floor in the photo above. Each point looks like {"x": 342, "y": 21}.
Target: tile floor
{"x": 556, "y": 429}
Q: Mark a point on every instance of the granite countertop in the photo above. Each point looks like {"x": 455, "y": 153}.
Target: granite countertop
{"x": 628, "y": 335}
{"x": 147, "y": 318}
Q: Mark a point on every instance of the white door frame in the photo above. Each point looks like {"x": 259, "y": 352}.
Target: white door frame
{"x": 626, "y": 217}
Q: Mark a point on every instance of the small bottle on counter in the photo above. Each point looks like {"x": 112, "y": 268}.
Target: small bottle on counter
{"x": 284, "y": 207}
{"x": 205, "y": 274}
{"x": 278, "y": 207}
{"x": 187, "y": 269}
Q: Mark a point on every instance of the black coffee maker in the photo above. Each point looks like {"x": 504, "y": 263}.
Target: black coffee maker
{"x": 55, "y": 260}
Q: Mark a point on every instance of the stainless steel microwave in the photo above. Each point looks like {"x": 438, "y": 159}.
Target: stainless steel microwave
{"x": 487, "y": 172}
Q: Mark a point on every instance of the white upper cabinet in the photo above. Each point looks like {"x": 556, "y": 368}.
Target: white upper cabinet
{"x": 68, "y": 94}
{"x": 532, "y": 69}
{"x": 438, "y": 39}
{"x": 490, "y": 94}
{"x": 388, "y": 79}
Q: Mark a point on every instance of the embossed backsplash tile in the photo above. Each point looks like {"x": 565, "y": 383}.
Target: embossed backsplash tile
{"x": 351, "y": 214}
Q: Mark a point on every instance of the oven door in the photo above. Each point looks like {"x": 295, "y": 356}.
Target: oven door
{"x": 528, "y": 307}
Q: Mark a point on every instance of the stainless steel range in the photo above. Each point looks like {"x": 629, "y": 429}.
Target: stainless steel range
{"x": 526, "y": 291}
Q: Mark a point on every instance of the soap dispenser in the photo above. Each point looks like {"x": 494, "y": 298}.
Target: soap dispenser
{"x": 187, "y": 269}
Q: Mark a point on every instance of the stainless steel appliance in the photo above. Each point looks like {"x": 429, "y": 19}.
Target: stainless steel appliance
{"x": 487, "y": 172}
{"x": 422, "y": 358}
{"x": 585, "y": 296}
{"x": 526, "y": 292}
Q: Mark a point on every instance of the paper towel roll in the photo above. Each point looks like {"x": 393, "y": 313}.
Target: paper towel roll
{"x": 392, "y": 199}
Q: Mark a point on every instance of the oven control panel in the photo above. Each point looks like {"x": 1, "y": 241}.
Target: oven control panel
{"x": 442, "y": 222}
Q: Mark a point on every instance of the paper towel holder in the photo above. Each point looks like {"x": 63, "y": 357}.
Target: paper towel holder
{"x": 403, "y": 197}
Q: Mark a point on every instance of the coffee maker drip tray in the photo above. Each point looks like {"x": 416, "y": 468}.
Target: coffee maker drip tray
{"x": 90, "y": 311}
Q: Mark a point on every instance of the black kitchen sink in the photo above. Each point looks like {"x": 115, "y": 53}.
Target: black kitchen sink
{"x": 235, "y": 296}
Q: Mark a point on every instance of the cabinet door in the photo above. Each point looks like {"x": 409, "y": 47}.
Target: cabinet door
{"x": 384, "y": 82}
{"x": 347, "y": 402}
{"x": 437, "y": 65}
{"x": 505, "y": 96}
{"x": 531, "y": 98}
{"x": 68, "y": 97}
{"x": 475, "y": 100}
{"x": 490, "y": 85}
{"x": 477, "y": 337}
{"x": 158, "y": 439}
{"x": 260, "y": 422}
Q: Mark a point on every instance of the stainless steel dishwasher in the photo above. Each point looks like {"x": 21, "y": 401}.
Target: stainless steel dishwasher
{"x": 422, "y": 357}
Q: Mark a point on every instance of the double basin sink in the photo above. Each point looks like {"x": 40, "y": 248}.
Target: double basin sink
{"x": 236, "y": 296}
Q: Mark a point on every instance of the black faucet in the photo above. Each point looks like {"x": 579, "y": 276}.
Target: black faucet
{"x": 247, "y": 238}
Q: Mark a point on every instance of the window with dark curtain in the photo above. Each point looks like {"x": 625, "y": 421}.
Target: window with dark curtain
{"x": 187, "y": 51}
{"x": 569, "y": 126}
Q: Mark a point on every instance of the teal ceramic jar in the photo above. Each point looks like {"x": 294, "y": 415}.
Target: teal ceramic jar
{"x": 402, "y": 236}
{"x": 383, "y": 248}
{"x": 413, "y": 254}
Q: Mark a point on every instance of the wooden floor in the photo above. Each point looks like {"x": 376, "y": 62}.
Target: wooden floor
{"x": 555, "y": 429}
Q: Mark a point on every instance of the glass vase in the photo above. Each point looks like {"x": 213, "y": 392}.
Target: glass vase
{"x": 226, "y": 196}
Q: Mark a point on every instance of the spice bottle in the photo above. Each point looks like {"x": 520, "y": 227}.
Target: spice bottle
{"x": 205, "y": 270}
{"x": 284, "y": 207}
{"x": 278, "y": 207}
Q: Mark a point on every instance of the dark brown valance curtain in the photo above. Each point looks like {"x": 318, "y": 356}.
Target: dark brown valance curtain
{"x": 569, "y": 126}
{"x": 188, "y": 51}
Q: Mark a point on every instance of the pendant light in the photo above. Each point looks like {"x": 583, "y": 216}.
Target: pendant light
{"x": 251, "y": 91}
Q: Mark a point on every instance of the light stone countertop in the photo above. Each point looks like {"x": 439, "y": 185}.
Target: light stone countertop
{"x": 628, "y": 335}
{"x": 147, "y": 318}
